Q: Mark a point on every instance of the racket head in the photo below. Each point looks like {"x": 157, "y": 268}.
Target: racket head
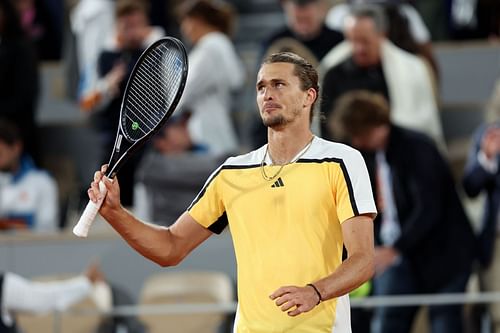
{"x": 152, "y": 93}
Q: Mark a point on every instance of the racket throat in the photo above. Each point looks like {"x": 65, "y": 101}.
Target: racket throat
{"x": 119, "y": 151}
{"x": 118, "y": 144}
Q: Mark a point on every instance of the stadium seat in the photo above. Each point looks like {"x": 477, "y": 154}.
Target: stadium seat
{"x": 185, "y": 287}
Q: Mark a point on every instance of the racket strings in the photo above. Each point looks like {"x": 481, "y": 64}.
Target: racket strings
{"x": 148, "y": 93}
{"x": 152, "y": 91}
{"x": 148, "y": 82}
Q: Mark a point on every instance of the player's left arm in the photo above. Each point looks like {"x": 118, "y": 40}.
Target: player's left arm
{"x": 359, "y": 265}
{"x": 354, "y": 271}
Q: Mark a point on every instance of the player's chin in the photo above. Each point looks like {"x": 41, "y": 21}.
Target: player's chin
{"x": 273, "y": 120}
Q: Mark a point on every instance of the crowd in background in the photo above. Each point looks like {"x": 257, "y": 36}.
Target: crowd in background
{"x": 380, "y": 92}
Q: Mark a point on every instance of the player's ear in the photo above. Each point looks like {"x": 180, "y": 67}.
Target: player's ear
{"x": 310, "y": 97}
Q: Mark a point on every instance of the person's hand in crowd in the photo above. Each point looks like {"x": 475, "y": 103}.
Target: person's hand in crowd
{"x": 13, "y": 224}
{"x": 115, "y": 77}
{"x": 110, "y": 88}
{"x": 385, "y": 256}
{"x": 490, "y": 144}
{"x": 94, "y": 273}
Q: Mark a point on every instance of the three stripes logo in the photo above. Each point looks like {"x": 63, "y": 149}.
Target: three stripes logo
{"x": 278, "y": 183}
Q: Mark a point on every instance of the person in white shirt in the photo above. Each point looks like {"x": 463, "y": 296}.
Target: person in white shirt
{"x": 92, "y": 22}
{"x": 28, "y": 195}
{"x": 215, "y": 73}
{"x": 407, "y": 29}
{"x": 18, "y": 294}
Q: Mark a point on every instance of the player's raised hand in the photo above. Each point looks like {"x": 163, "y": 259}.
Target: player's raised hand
{"x": 110, "y": 195}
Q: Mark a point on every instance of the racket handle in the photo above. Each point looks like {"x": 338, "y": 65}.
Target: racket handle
{"x": 81, "y": 229}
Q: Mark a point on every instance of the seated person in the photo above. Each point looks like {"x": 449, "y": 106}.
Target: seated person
{"x": 418, "y": 205}
{"x": 482, "y": 176}
{"x": 19, "y": 294}
{"x": 367, "y": 60}
{"x": 28, "y": 195}
{"x": 172, "y": 173}
{"x": 407, "y": 30}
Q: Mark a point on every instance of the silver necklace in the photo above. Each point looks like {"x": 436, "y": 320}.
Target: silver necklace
{"x": 263, "y": 170}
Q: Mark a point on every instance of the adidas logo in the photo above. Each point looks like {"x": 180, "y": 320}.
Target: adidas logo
{"x": 278, "y": 183}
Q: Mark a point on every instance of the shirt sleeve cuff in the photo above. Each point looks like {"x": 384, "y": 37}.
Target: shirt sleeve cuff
{"x": 490, "y": 165}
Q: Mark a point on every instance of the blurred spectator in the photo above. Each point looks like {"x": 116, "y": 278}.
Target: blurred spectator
{"x": 306, "y": 26}
{"x": 42, "y": 21}
{"x": 215, "y": 73}
{"x": 174, "y": 138}
{"x": 133, "y": 34}
{"x": 461, "y": 19}
{"x": 172, "y": 173}
{"x": 367, "y": 60}
{"x": 163, "y": 14}
{"x": 28, "y": 196}
{"x": 482, "y": 176}
{"x": 474, "y": 19}
{"x": 305, "y": 34}
{"x": 18, "y": 294}
{"x": 425, "y": 243}
{"x": 92, "y": 23}
{"x": 406, "y": 29}
{"x": 18, "y": 76}
{"x": 435, "y": 15}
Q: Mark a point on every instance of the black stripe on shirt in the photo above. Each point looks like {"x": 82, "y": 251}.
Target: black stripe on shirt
{"x": 202, "y": 192}
{"x": 345, "y": 173}
{"x": 218, "y": 226}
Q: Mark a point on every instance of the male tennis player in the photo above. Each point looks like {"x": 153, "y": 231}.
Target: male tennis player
{"x": 291, "y": 205}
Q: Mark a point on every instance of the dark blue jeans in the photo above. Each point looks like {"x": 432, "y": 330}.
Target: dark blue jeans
{"x": 399, "y": 279}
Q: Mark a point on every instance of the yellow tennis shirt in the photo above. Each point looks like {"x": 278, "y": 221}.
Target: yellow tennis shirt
{"x": 286, "y": 231}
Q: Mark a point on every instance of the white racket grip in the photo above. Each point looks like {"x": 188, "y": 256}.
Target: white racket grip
{"x": 81, "y": 229}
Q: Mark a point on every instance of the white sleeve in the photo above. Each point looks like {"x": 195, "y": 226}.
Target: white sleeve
{"x": 335, "y": 18}
{"x": 354, "y": 192}
{"x": 20, "y": 294}
{"x": 417, "y": 27}
{"x": 200, "y": 75}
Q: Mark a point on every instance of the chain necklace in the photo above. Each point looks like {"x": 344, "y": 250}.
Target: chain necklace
{"x": 263, "y": 170}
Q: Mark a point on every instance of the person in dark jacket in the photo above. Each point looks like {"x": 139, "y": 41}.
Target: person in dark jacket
{"x": 482, "y": 176}
{"x": 19, "y": 85}
{"x": 424, "y": 240}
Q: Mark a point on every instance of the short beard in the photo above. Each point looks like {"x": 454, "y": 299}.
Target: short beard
{"x": 276, "y": 121}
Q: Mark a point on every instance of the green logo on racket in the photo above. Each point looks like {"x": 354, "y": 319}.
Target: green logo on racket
{"x": 135, "y": 126}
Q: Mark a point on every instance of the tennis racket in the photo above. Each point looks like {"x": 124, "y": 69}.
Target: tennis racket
{"x": 153, "y": 91}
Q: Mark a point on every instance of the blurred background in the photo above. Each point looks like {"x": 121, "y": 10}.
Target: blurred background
{"x": 63, "y": 66}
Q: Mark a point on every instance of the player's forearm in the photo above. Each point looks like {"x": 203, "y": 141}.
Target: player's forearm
{"x": 352, "y": 273}
{"x": 152, "y": 241}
